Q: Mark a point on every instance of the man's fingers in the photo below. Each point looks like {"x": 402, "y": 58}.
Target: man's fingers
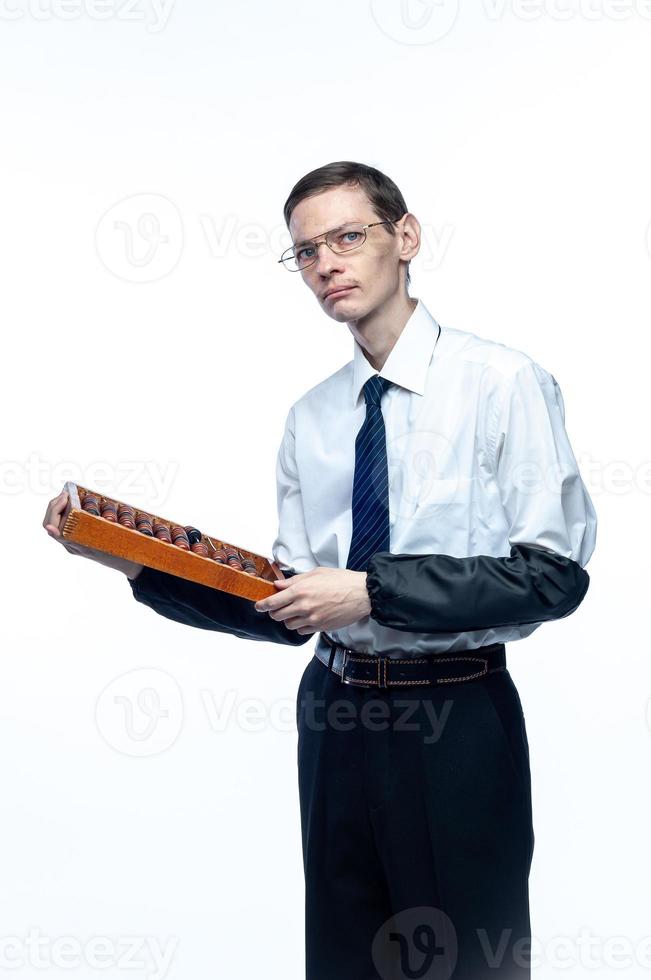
{"x": 288, "y": 613}
{"x": 55, "y": 509}
{"x": 299, "y": 624}
{"x": 275, "y": 602}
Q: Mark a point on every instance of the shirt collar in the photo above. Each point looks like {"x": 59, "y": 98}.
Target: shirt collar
{"x": 408, "y": 360}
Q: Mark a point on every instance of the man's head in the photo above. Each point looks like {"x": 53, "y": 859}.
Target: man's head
{"x": 378, "y": 271}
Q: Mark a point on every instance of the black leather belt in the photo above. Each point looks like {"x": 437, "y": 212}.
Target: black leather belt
{"x": 365, "y": 670}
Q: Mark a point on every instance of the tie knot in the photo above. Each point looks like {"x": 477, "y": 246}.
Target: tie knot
{"x": 374, "y": 389}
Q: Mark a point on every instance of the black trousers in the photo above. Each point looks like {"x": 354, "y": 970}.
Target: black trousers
{"x": 417, "y": 829}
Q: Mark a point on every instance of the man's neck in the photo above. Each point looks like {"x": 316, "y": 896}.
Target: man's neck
{"x": 377, "y": 333}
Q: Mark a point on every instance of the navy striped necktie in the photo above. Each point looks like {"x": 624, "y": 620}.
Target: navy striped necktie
{"x": 371, "y": 481}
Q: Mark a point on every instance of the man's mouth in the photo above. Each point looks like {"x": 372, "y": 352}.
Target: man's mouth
{"x": 335, "y": 293}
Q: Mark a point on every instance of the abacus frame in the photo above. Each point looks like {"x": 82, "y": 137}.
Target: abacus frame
{"x": 124, "y": 542}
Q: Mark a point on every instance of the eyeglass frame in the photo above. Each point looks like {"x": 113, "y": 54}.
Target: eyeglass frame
{"x": 313, "y": 241}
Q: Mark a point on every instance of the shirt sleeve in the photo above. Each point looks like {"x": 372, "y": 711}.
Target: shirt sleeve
{"x": 552, "y": 531}
{"x": 291, "y": 548}
{"x": 194, "y": 604}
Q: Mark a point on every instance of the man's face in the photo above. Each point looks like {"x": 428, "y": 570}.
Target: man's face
{"x": 371, "y": 270}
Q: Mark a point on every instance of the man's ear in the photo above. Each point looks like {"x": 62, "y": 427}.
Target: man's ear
{"x": 410, "y": 226}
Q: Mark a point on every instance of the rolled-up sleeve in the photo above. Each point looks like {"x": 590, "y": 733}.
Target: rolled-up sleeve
{"x": 551, "y": 521}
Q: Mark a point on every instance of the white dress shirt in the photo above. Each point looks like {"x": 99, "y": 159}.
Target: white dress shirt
{"x": 478, "y": 460}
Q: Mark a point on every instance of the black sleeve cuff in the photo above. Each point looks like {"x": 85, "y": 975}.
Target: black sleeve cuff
{"x": 442, "y": 594}
{"x": 199, "y": 605}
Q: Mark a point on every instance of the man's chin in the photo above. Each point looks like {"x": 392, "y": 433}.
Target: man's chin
{"x": 347, "y": 308}
{"x": 343, "y": 316}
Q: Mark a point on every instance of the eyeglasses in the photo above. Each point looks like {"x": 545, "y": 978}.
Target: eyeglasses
{"x": 342, "y": 239}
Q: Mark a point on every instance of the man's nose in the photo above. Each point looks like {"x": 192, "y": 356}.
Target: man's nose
{"x": 326, "y": 259}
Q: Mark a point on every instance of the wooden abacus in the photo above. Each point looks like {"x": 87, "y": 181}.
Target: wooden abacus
{"x": 109, "y": 525}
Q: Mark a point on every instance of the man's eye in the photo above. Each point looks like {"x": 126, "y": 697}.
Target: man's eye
{"x": 304, "y": 253}
{"x": 347, "y": 238}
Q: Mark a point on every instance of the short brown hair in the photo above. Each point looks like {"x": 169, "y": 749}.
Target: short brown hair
{"x": 385, "y": 197}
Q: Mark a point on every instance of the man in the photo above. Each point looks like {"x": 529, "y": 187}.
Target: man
{"x": 430, "y": 510}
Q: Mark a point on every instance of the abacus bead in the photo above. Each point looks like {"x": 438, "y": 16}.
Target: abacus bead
{"x": 126, "y": 515}
{"x": 143, "y": 524}
{"x": 199, "y": 548}
{"x": 161, "y": 532}
{"x": 90, "y": 504}
{"x": 193, "y": 534}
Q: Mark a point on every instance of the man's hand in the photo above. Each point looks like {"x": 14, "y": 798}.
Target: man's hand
{"x": 321, "y": 599}
{"x": 53, "y": 521}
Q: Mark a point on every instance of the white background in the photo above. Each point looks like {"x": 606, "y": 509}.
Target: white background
{"x": 156, "y": 357}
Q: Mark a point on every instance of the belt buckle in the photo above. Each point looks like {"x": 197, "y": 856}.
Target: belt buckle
{"x": 343, "y": 665}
